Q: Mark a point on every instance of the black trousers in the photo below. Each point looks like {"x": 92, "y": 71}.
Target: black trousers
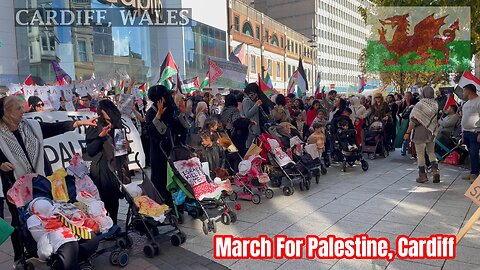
{"x": 111, "y": 205}
{"x": 71, "y": 254}
{"x": 15, "y": 237}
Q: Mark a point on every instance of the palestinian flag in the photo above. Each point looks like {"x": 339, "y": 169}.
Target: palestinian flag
{"x": 168, "y": 70}
{"x": 179, "y": 85}
{"x": 467, "y": 78}
{"x": 238, "y": 54}
{"x": 168, "y": 83}
{"x": 206, "y": 81}
{"x": 120, "y": 87}
{"x": 302, "y": 83}
{"x": 143, "y": 89}
{"x": 29, "y": 80}
{"x": 292, "y": 83}
{"x": 190, "y": 85}
{"x": 266, "y": 89}
{"x": 450, "y": 101}
{"x": 61, "y": 74}
{"x": 420, "y": 39}
{"x": 268, "y": 81}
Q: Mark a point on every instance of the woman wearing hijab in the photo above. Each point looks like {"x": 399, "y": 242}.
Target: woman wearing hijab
{"x": 424, "y": 124}
{"x": 230, "y": 112}
{"x": 21, "y": 150}
{"x": 102, "y": 142}
{"x": 162, "y": 127}
{"x": 256, "y": 107}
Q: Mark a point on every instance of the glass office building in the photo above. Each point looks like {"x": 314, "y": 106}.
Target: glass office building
{"x": 101, "y": 49}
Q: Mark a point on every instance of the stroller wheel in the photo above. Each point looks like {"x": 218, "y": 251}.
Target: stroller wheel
{"x": 256, "y": 199}
{"x": 183, "y": 237}
{"x": 149, "y": 251}
{"x": 233, "y": 216}
{"x": 307, "y": 184}
{"x": 234, "y": 196}
{"x": 122, "y": 243}
{"x": 364, "y": 165}
{"x": 226, "y": 219}
{"x": 269, "y": 193}
{"x": 287, "y": 191}
{"x": 385, "y": 153}
{"x": 344, "y": 166}
{"x": 205, "y": 227}
{"x": 176, "y": 240}
{"x": 114, "y": 257}
{"x": 212, "y": 226}
{"x": 123, "y": 258}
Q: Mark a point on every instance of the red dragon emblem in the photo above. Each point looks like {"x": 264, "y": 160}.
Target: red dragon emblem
{"x": 425, "y": 37}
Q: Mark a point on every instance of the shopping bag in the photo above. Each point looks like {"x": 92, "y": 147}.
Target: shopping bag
{"x": 5, "y": 230}
{"x": 453, "y": 158}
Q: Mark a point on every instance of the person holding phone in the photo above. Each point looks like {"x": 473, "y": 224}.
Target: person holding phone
{"x": 163, "y": 127}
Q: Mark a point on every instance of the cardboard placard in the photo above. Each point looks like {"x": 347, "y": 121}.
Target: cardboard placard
{"x": 473, "y": 192}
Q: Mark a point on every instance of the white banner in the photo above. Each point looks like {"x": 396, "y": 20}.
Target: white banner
{"x": 60, "y": 149}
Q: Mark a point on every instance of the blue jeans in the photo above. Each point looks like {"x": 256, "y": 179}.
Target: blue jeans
{"x": 470, "y": 139}
{"x": 404, "y": 147}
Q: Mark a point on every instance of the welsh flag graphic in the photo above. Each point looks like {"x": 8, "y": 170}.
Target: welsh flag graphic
{"x": 418, "y": 39}
{"x": 206, "y": 81}
{"x": 167, "y": 71}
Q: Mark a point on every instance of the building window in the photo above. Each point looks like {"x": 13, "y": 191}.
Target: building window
{"x": 269, "y": 64}
{"x": 48, "y": 42}
{"x": 247, "y": 29}
{"x": 275, "y": 40}
{"x": 237, "y": 23}
{"x": 30, "y": 51}
{"x": 289, "y": 70}
{"x": 258, "y": 32}
{"x": 267, "y": 36}
{"x": 253, "y": 64}
{"x": 278, "y": 70}
{"x": 82, "y": 51}
{"x": 281, "y": 43}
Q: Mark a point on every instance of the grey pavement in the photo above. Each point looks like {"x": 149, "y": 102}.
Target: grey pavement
{"x": 383, "y": 202}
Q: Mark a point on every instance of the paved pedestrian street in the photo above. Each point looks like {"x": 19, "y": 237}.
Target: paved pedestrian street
{"x": 383, "y": 202}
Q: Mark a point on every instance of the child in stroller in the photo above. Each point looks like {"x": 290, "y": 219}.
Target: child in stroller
{"x": 250, "y": 177}
{"x": 375, "y": 140}
{"x": 348, "y": 146}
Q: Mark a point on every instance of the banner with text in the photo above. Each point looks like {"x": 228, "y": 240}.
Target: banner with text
{"x": 224, "y": 73}
{"x": 60, "y": 149}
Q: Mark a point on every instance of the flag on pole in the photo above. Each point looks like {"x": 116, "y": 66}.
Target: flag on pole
{"x": 168, "y": 70}
{"x": 206, "y": 81}
{"x": 61, "y": 74}
{"x": 29, "y": 80}
{"x": 467, "y": 78}
{"x": 179, "y": 85}
{"x": 302, "y": 82}
{"x": 266, "y": 89}
{"x": 292, "y": 83}
{"x": 317, "y": 84}
{"x": 190, "y": 85}
{"x": 238, "y": 54}
{"x": 268, "y": 81}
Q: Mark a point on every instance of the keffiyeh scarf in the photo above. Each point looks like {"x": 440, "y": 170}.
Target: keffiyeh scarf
{"x": 425, "y": 112}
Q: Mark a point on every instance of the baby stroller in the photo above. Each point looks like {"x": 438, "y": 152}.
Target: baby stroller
{"x": 349, "y": 149}
{"x": 147, "y": 212}
{"x": 192, "y": 191}
{"x": 78, "y": 215}
{"x": 283, "y": 166}
{"x": 375, "y": 140}
{"x": 295, "y": 147}
{"x": 250, "y": 177}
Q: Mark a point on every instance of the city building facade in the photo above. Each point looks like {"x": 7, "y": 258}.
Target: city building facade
{"x": 271, "y": 47}
{"x": 338, "y": 28}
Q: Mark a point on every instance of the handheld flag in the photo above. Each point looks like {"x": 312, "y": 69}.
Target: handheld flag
{"x": 317, "y": 84}
{"x": 143, "y": 89}
{"x": 29, "y": 80}
{"x": 206, "y": 81}
{"x": 267, "y": 90}
{"x": 61, "y": 74}
{"x": 467, "y": 78}
{"x": 450, "y": 101}
{"x": 168, "y": 69}
{"x": 292, "y": 83}
{"x": 190, "y": 85}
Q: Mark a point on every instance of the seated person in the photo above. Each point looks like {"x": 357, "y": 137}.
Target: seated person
{"x": 317, "y": 137}
{"x": 345, "y": 116}
{"x": 448, "y": 123}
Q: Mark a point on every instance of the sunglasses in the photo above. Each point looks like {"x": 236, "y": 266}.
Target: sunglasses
{"x": 40, "y": 105}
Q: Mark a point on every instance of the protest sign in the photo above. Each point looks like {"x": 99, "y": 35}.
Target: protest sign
{"x": 60, "y": 149}
{"x": 227, "y": 74}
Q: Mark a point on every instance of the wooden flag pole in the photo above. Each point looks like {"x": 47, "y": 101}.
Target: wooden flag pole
{"x": 475, "y": 217}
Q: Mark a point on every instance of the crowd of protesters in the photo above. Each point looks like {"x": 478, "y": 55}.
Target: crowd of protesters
{"x": 412, "y": 122}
